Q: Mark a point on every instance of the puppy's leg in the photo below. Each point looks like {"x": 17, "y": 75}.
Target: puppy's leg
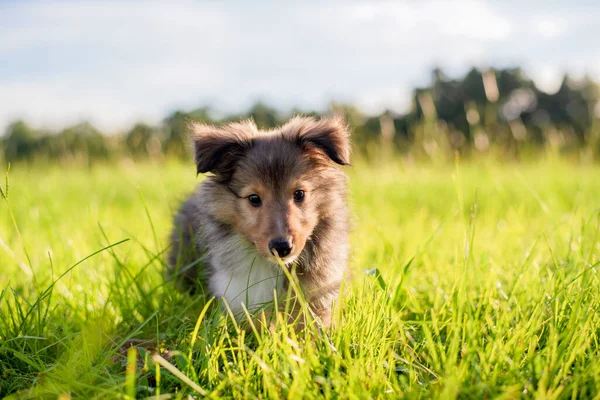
{"x": 321, "y": 301}
{"x": 324, "y": 315}
{"x": 184, "y": 250}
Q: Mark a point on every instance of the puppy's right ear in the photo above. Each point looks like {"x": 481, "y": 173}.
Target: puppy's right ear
{"x": 217, "y": 149}
{"x": 330, "y": 135}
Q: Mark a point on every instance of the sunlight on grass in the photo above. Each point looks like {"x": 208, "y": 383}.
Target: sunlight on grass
{"x": 481, "y": 281}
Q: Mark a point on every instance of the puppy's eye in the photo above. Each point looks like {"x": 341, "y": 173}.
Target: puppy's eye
{"x": 254, "y": 200}
{"x": 298, "y": 196}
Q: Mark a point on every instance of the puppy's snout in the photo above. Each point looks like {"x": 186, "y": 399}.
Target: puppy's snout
{"x": 282, "y": 246}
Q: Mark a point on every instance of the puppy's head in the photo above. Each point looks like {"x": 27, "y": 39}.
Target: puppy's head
{"x": 274, "y": 186}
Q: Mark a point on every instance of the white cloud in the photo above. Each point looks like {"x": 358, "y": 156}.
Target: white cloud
{"x": 549, "y": 27}
{"x": 54, "y": 105}
{"x": 114, "y": 62}
{"x": 396, "y": 99}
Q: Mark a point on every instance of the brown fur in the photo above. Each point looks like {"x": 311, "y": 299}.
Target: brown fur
{"x": 218, "y": 219}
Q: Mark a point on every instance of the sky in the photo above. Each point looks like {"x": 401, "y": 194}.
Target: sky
{"x": 114, "y": 63}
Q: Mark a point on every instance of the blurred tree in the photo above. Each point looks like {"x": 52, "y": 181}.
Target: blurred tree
{"x": 264, "y": 117}
{"x": 81, "y": 141}
{"x": 20, "y": 142}
{"x": 144, "y": 140}
{"x": 177, "y": 141}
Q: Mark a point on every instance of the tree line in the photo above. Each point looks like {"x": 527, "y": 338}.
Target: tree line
{"x": 496, "y": 110}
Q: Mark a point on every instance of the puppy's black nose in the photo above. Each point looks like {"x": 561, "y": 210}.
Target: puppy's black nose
{"x": 281, "y": 246}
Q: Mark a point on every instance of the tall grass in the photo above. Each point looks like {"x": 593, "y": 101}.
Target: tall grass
{"x": 481, "y": 281}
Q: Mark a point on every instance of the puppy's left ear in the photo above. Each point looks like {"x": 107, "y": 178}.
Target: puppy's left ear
{"x": 329, "y": 135}
{"x": 217, "y": 149}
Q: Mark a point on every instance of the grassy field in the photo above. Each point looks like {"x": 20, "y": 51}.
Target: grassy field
{"x": 483, "y": 283}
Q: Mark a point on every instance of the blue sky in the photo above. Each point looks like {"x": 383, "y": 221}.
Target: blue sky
{"x": 117, "y": 62}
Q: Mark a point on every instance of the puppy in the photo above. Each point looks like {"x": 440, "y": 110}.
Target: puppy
{"x": 277, "y": 193}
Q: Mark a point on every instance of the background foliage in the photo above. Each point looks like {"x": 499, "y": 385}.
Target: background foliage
{"x": 496, "y": 111}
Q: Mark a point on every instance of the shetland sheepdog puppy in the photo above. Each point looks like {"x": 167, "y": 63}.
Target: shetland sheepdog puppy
{"x": 273, "y": 198}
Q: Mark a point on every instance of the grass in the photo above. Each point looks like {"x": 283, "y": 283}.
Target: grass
{"x": 482, "y": 281}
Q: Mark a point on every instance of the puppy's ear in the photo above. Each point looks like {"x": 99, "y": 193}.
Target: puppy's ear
{"x": 330, "y": 135}
{"x": 217, "y": 149}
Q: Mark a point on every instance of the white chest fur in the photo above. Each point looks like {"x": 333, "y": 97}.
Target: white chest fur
{"x": 239, "y": 275}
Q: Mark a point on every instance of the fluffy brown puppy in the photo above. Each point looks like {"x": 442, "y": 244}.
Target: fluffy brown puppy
{"x": 271, "y": 193}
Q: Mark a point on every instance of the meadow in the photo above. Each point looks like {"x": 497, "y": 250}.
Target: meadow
{"x": 476, "y": 279}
